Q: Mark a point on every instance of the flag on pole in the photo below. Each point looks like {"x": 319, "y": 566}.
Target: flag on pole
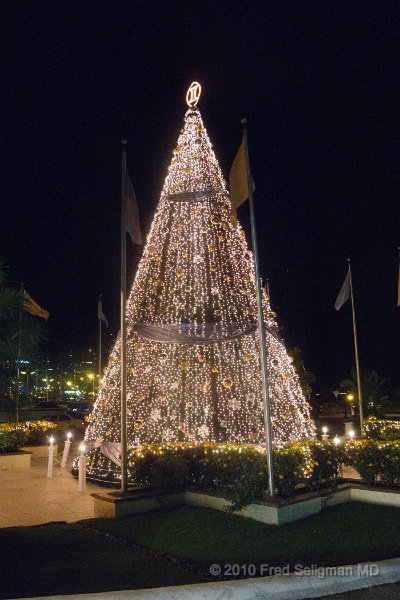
{"x": 130, "y": 208}
{"x": 33, "y": 307}
{"x": 344, "y": 293}
{"x": 100, "y": 315}
{"x": 238, "y": 187}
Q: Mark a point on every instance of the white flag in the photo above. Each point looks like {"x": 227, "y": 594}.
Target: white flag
{"x": 344, "y": 293}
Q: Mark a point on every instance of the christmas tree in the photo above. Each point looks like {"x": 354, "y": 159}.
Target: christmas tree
{"x": 192, "y": 341}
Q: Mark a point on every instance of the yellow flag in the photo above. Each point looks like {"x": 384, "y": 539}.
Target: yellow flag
{"x": 33, "y": 307}
{"x": 239, "y": 190}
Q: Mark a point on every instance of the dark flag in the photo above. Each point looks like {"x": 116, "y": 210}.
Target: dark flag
{"x": 100, "y": 315}
{"x": 131, "y": 212}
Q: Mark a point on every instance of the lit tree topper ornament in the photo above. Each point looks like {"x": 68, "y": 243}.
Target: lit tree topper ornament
{"x": 193, "y": 94}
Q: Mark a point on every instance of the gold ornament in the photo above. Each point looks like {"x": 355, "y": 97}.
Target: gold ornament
{"x": 214, "y": 370}
{"x": 214, "y": 221}
{"x": 218, "y": 313}
{"x": 138, "y": 425}
{"x": 184, "y": 366}
{"x": 221, "y": 238}
{"x": 140, "y": 397}
{"x": 224, "y": 424}
{"x": 227, "y": 383}
{"x": 213, "y": 269}
{"x": 180, "y": 271}
{"x": 139, "y": 346}
{"x": 247, "y": 357}
{"x": 201, "y": 358}
{"x": 212, "y": 247}
{"x": 151, "y": 250}
{"x": 204, "y": 387}
{"x": 189, "y": 404}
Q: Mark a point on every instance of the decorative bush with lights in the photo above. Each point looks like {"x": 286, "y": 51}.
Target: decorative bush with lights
{"x": 26, "y": 433}
{"x": 237, "y": 472}
{"x": 382, "y": 429}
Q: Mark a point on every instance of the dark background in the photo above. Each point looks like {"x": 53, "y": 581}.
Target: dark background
{"x": 318, "y": 83}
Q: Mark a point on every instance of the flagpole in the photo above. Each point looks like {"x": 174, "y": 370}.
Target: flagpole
{"x": 124, "y": 469}
{"x": 99, "y": 317}
{"x": 261, "y": 325}
{"x": 356, "y": 353}
{"x": 398, "y": 280}
{"x": 19, "y": 352}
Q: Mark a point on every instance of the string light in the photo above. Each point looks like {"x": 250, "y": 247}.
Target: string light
{"x": 196, "y": 280}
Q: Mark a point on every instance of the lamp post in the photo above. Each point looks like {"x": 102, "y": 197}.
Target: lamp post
{"x": 325, "y": 435}
{"x": 91, "y": 377}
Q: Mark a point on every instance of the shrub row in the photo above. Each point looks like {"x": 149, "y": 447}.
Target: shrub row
{"x": 239, "y": 473}
{"x": 10, "y": 441}
{"x": 375, "y": 461}
{"x": 382, "y": 429}
{"x": 27, "y": 433}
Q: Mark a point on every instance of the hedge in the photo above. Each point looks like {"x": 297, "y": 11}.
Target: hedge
{"x": 382, "y": 429}
{"x": 25, "y": 433}
{"x": 375, "y": 461}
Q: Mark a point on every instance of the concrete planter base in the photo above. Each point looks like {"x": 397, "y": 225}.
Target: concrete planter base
{"x": 274, "y": 512}
{"x": 41, "y": 451}
{"x": 16, "y": 460}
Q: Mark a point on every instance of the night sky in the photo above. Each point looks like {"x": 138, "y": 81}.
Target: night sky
{"x": 319, "y": 85}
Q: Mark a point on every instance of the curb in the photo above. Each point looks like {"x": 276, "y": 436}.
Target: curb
{"x": 280, "y": 587}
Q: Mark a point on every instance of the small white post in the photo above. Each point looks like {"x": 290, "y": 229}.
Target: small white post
{"x": 82, "y": 468}
{"x": 348, "y": 426}
{"x": 325, "y": 435}
{"x": 67, "y": 446}
{"x": 51, "y": 458}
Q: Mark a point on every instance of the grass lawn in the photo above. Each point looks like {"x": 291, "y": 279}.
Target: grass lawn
{"x": 61, "y": 559}
{"x": 344, "y": 534}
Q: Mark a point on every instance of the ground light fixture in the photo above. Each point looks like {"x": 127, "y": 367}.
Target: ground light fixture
{"x": 325, "y": 435}
{"x": 351, "y": 434}
{"x": 336, "y": 440}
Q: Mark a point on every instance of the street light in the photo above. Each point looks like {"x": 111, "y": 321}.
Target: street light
{"x": 91, "y": 377}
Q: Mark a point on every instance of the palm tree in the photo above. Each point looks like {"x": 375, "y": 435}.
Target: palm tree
{"x": 20, "y": 333}
{"x": 373, "y": 391}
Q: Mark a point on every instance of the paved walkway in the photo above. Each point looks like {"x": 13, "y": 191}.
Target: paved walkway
{"x": 29, "y": 497}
